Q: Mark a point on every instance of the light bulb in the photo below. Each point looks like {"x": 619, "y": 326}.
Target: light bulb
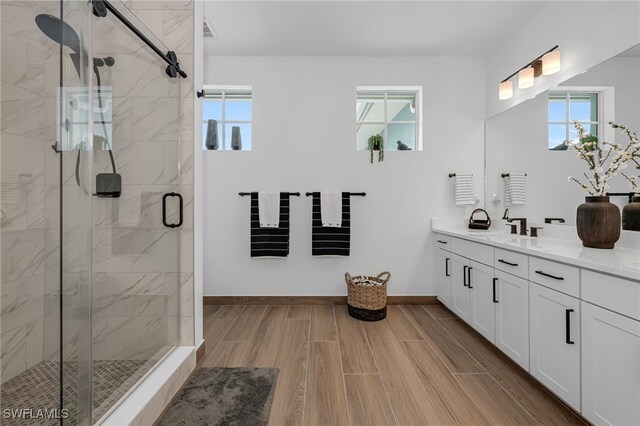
{"x": 525, "y": 78}
{"x": 551, "y": 63}
{"x": 506, "y": 90}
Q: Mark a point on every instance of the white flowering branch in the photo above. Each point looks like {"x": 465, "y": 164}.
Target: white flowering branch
{"x": 633, "y": 156}
{"x": 604, "y": 160}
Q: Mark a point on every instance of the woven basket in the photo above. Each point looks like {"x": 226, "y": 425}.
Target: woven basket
{"x": 367, "y": 296}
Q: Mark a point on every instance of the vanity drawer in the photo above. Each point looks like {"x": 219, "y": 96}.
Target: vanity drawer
{"x": 512, "y": 262}
{"x": 479, "y": 252}
{"x": 560, "y": 277}
{"x": 443, "y": 242}
{"x": 617, "y": 294}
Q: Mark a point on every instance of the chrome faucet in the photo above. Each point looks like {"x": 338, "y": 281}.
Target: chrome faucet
{"x": 523, "y": 225}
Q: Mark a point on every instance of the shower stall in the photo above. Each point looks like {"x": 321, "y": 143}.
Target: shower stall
{"x": 91, "y": 208}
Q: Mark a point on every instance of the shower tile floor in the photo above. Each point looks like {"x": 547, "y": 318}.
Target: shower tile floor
{"x": 39, "y": 388}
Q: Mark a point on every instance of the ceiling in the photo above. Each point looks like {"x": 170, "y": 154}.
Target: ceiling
{"x": 361, "y": 28}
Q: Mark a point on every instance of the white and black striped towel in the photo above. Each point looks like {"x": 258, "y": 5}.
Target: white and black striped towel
{"x": 465, "y": 192}
{"x": 516, "y": 192}
{"x": 326, "y": 241}
{"x": 270, "y": 242}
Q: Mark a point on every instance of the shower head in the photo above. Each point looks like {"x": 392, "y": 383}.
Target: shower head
{"x": 61, "y": 32}
{"x": 58, "y": 31}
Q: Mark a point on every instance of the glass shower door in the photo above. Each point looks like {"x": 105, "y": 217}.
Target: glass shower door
{"x": 89, "y": 210}
{"x": 137, "y": 210}
{"x": 70, "y": 309}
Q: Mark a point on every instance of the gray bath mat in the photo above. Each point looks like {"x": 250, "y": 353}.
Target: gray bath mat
{"x": 224, "y": 396}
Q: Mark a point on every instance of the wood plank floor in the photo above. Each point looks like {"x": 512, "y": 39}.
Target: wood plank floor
{"x": 420, "y": 366}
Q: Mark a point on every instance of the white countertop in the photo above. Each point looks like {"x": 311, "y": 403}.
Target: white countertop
{"x": 622, "y": 262}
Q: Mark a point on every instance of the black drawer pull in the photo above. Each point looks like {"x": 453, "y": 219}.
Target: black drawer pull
{"x": 464, "y": 275}
{"x": 469, "y": 276}
{"x": 446, "y": 267}
{"x": 495, "y": 281}
{"x": 442, "y": 242}
{"x": 507, "y": 263}
{"x": 544, "y": 274}
{"x": 568, "y": 325}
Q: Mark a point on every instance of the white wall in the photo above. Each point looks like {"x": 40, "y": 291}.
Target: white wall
{"x": 517, "y": 142}
{"x": 588, "y": 33}
{"x": 304, "y": 140}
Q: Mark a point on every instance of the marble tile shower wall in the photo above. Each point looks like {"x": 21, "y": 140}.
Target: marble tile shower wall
{"x": 141, "y": 304}
{"x": 142, "y": 271}
{"x": 27, "y": 132}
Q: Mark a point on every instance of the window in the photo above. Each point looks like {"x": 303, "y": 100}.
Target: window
{"x": 564, "y": 108}
{"x": 227, "y": 118}
{"x": 395, "y": 113}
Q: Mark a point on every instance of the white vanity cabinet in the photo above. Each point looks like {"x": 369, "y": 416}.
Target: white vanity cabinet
{"x": 554, "y": 327}
{"x": 610, "y": 349}
{"x": 572, "y": 327}
{"x": 512, "y": 317}
{"x": 443, "y": 267}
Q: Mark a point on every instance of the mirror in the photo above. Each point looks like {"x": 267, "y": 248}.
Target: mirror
{"x": 533, "y": 138}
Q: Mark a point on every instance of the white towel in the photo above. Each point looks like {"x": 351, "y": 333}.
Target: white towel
{"x": 269, "y": 209}
{"x": 331, "y": 209}
{"x": 465, "y": 193}
{"x": 516, "y": 192}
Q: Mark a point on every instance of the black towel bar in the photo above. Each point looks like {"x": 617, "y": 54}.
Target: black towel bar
{"x": 451, "y": 175}
{"x": 356, "y": 194}
{"x": 244, "y": 194}
{"x": 505, "y": 175}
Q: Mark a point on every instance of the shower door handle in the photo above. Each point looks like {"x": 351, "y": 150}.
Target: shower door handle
{"x": 164, "y": 209}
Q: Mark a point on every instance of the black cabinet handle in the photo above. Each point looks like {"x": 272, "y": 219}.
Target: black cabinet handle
{"x": 464, "y": 275}
{"x": 544, "y": 274}
{"x": 442, "y": 242}
{"x": 469, "y": 276}
{"x": 495, "y": 281}
{"x": 568, "y": 325}
{"x": 164, "y": 210}
{"x": 507, "y": 263}
{"x": 446, "y": 267}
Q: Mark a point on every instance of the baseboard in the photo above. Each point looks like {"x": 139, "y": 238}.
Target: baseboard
{"x": 201, "y": 351}
{"x": 309, "y": 300}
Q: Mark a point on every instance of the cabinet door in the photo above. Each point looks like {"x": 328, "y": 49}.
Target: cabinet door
{"x": 610, "y": 367}
{"x": 460, "y": 298}
{"x": 555, "y": 342}
{"x": 512, "y": 317}
{"x": 482, "y": 304}
{"x": 443, "y": 268}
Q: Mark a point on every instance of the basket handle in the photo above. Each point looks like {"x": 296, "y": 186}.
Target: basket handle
{"x": 347, "y": 277}
{"x": 388, "y": 276}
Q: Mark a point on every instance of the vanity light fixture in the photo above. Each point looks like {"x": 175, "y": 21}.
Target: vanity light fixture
{"x": 546, "y": 64}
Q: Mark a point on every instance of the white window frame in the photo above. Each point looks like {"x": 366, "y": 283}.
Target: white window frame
{"x": 385, "y": 90}
{"x": 224, "y": 89}
{"x": 606, "y": 109}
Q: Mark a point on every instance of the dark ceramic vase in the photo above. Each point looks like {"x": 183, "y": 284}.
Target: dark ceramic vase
{"x": 631, "y": 215}
{"x": 598, "y": 223}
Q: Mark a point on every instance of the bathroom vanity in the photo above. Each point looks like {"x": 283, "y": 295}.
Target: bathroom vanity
{"x": 568, "y": 315}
